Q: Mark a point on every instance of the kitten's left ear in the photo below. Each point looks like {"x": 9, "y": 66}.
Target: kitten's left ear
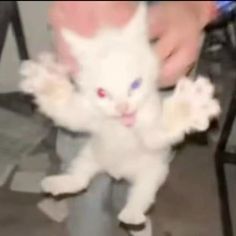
{"x": 138, "y": 26}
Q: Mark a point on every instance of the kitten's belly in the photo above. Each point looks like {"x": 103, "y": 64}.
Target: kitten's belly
{"x": 119, "y": 152}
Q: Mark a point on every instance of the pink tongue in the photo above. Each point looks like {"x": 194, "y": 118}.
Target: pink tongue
{"x": 128, "y": 120}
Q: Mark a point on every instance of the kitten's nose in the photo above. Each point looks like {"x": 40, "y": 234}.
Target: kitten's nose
{"x": 122, "y": 107}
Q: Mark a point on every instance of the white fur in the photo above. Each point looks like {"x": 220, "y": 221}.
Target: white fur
{"x": 138, "y": 154}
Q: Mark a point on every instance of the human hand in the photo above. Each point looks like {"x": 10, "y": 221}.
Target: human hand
{"x": 178, "y": 26}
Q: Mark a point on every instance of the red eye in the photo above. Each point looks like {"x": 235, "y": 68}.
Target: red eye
{"x": 101, "y": 93}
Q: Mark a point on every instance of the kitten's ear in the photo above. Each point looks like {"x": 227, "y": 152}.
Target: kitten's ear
{"x": 138, "y": 26}
{"x": 79, "y": 46}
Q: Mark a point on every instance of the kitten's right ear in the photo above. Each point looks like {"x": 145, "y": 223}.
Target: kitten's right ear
{"x": 79, "y": 46}
{"x": 137, "y": 28}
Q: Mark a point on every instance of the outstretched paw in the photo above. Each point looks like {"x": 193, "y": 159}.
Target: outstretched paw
{"x": 192, "y": 106}
{"x": 44, "y": 77}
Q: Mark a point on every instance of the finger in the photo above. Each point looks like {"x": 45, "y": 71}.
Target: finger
{"x": 166, "y": 45}
{"x": 178, "y": 64}
{"x": 166, "y": 81}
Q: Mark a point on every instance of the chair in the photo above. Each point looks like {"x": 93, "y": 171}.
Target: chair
{"x": 10, "y": 17}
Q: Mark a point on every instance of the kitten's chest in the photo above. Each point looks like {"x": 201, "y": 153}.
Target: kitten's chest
{"x": 116, "y": 148}
{"x": 116, "y": 145}
{"x": 115, "y": 137}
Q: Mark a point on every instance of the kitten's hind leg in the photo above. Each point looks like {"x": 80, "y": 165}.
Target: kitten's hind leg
{"x": 76, "y": 179}
{"x": 142, "y": 195}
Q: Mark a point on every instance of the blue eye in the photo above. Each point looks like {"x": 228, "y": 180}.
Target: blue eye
{"x": 136, "y": 84}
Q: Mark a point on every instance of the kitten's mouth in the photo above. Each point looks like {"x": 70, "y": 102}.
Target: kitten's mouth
{"x": 128, "y": 119}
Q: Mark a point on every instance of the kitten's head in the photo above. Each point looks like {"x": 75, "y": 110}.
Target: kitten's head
{"x": 118, "y": 68}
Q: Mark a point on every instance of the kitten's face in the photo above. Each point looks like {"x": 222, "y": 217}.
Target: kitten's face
{"x": 118, "y": 69}
{"x": 120, "y": 83}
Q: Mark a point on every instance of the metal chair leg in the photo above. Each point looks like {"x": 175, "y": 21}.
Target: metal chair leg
{"x": 19, "y": 33}
{"x": 15, "y": 101}
{"x": 223, "y": 197}
{"x": 3, "y": 34}
{"x": 221, "y": 158}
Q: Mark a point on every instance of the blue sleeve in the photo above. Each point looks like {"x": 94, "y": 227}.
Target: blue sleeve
{"x": 225, "y": 7}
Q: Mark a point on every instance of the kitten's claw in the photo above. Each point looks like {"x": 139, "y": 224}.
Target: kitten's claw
{"x": 62, "y": 184}
{"x": 192, "y": 106}
{"x": 132, "y": 216}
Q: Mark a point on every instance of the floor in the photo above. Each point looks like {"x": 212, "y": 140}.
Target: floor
{"x": 187, "y": 205}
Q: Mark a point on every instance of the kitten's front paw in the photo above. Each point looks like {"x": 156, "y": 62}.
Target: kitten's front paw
{"x": 44, "y": 77}
{"x": 132, "y": 216}
{"x": 192, "y": 106}
{"x": 62, "y": 184}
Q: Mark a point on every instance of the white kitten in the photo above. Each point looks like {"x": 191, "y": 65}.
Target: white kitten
{"x": 132, "y": 132}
